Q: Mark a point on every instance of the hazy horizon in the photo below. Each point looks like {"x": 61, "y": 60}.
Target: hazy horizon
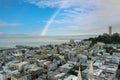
{"x": 10, "y": 42}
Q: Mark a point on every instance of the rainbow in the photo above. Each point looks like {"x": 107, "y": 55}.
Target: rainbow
{"x": 49, "y": 22}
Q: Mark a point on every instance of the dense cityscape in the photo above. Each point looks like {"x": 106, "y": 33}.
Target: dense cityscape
{"x": 59, "y": 39}
{"x": 67, "y": 61}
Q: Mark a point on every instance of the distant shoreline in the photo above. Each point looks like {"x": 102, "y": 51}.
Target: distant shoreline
{"x": 11, "y": 42}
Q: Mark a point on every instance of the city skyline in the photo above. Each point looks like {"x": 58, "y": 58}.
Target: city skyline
{"x": 58, "y": 17}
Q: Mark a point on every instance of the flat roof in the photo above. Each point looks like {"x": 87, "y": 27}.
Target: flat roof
{"x": 60, "y": 75}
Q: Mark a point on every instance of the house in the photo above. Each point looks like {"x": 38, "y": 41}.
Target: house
{"x": 4, "y": 76}
{"x": 51, "y": 65}
{"x": 21, "y": 76}
{"x": 97, "y": 64}
{"x": 20, "y": 65}
{"x": 71, "y": 77}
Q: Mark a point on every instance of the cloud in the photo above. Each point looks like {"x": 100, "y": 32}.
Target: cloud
{"x": 6, "y": 24}
{"x": 1, "y": 33}
{"x": 90, "y": 16}
{"x": 78, "y": 30}
{"x": 71, "y": 28}
{"x": 45, "y": 3}
{"x": 58, "y": 3}
{"x": 98, "y": 10}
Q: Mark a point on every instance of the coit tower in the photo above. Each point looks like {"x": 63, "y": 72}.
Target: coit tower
{"x": 110, "y": 30}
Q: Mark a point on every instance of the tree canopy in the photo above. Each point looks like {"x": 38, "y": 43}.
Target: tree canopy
{"x": 105, "y": 38}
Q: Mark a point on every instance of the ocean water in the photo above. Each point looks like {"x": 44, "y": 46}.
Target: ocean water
{"x": 10, "y": 42}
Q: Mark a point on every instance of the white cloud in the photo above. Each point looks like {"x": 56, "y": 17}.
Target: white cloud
{"x": 71, "y": 28}
{"x": 6, "y": 24}
{"x": 78, "y": 30}
{"x": 104, "y": 8}
{"x": 1, "y": 33}
{"x": 93, "y": 16}
{"x": 46, "y": 3}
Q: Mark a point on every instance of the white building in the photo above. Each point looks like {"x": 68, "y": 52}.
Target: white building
{"x": 3, "y": 76}
{"x": 71, "y": 77}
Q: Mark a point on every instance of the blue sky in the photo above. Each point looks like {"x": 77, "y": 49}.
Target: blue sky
{"x": 58, "y": 17}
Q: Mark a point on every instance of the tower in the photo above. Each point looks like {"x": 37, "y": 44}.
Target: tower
{"x": 110, "y": 30}
{"x": 79, "y": 75}
{"x": 90, "y": 73}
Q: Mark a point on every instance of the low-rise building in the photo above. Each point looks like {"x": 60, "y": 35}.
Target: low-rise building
{"x": 21, "y": 76}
